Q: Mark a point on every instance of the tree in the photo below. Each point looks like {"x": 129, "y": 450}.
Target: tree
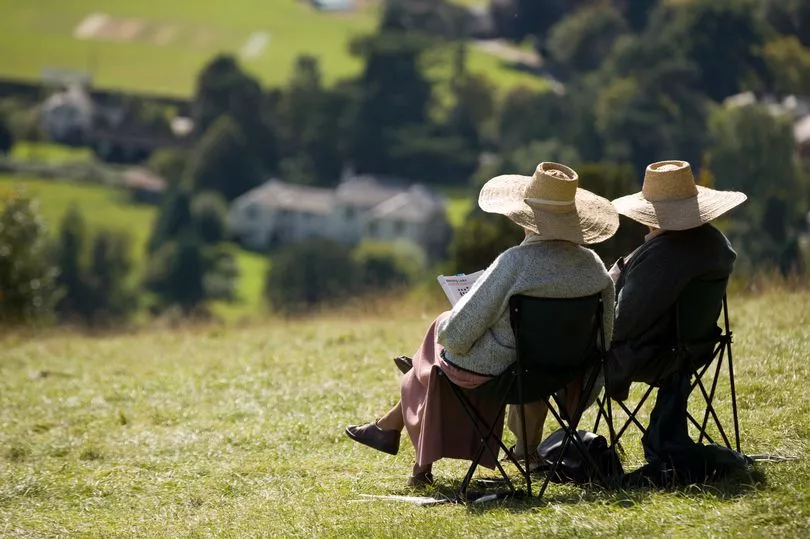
{"x": 645, "y": 115}
{"x": 6, "y": 136}
{"x": 394, "y": 94}
{"x": 111, "y": 298}
{"x": 581, "y": 41}
{"x": 176, "y": 273}
{"x": 173, "y": 219}
{"x": 70, "y": 251}
{"x": 209, "y": 212}
{"x": 223, "y": 89}
{"x": 309, "y": 274}
{"x": 223, "y": 162}
{"x": 169, "y": 163}
{"x": 527, "y": 115}
{"x": 789, "y": 62}
{"x": 790, "y": 18}
{"x": 753, "y": 151}
{"x": 518, "y": 19}
{"x": 27, "y": 290}
{"x": 309, "y": 120}
{"x": 722, "y": 37}
{"x": 613, "y": 181}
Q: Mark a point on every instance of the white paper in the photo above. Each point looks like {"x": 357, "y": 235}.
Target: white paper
{"x": 455, "y": 286}
{"x": 416, "y": 500}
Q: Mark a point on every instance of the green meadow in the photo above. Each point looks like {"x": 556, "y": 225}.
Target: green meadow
{"x": 157, "y": 46}
{"x": 238, "y": 431}
{"x": 103, "y": 206}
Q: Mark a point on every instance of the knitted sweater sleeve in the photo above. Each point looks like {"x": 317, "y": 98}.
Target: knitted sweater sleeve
{"x": 478, "y": 309}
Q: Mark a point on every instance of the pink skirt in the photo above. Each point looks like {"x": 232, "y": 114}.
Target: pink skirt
{"x": 436, "y": 422}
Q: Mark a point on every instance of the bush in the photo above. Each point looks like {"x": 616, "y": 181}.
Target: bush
{"x": 387, "y": 265}
{"x": 93, "y": 283}
{"x": 26, "y": 274}
{"x": 482, "y": 238}
{"x": 6, "y": 136}
{"x": 309, "y": 274}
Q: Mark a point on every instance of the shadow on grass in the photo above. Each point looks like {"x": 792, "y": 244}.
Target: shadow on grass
{"x": 730, "y": 488}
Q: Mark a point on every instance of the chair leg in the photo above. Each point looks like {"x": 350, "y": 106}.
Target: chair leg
{"x": 484, "y": 438}
{"x": 733, "y": 396}
{"x": 528, "y": 475}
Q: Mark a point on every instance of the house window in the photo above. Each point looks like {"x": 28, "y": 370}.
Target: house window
{"x": 348, "y": 213}
{"x": 252, "y": 212}
{"x": 372, "y": 229}
{"x": 399, "y": 228}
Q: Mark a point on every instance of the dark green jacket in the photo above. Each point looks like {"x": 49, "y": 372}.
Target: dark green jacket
{"x": 648, "y": 286}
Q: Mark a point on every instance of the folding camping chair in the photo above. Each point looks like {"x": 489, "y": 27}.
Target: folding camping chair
{"x": 697, "y": 344}
{"x": 558, "y": 341}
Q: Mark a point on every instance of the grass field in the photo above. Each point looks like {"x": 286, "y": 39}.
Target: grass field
{"x": 238, "y": 432}
{"x": 159, "y": 46}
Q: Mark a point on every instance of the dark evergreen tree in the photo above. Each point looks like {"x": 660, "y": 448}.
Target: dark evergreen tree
{"x": 223, "y": 161}
{"x": 74, "y": 302}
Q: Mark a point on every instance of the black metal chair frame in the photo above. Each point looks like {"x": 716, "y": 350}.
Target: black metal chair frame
{"x": 722, "y": 350}
{"x": 514, "y": 378}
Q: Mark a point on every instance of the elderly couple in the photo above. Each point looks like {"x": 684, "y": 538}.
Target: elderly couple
{"x": 473, "y": 342}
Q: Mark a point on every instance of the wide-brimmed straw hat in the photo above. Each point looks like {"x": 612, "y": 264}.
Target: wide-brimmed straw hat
{"x": 551, "y": 204}
{"x": 670, "y": 199}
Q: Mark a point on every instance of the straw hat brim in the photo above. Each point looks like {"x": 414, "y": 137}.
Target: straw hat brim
{"x": 681, "y": 214}
{"x": 592, "y": 220}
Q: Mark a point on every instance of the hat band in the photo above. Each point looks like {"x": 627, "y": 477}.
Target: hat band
{"x": 550, "y": 202}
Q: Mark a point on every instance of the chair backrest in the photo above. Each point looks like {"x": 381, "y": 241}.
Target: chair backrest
{"x": 698, "y": 308}
{"x": 556, "y": 339}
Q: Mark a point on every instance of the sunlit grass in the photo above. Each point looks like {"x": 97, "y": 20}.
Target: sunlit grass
{"x": 238, "y": 432}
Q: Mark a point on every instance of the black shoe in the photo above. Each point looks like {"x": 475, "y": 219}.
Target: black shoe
{"x": 420, "y": 480}
{"x": 403, "y": 363}
{"x": 373, "y": 436}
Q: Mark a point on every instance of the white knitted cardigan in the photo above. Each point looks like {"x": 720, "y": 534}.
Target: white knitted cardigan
{"x": 477, "y": 335}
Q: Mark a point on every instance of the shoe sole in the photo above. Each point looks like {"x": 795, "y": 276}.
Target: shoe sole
{"x": 367, "y": 444}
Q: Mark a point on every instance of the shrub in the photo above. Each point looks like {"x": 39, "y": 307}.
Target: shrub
{"x": 26, "y": 273}
{"x": 386, "y": 265}
{"x": 309, "y": 274}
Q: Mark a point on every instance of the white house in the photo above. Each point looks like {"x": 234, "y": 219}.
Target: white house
{"x": 361, "y": 207}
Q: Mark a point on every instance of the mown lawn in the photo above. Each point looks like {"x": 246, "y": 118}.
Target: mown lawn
{"x": 156, "y": 46}
{"x": 237, "y": 432}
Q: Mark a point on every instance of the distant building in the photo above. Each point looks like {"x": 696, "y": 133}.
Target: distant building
{"x": 67, "y": 117}
{"x": 334, "y": 5}
{"x": 144, "y": 186}
{"x": 361, "y": 207}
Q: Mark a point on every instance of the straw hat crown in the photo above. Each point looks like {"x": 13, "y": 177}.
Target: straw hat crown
{"x": 671, "y": 200}
{"x": 551, "y": 204}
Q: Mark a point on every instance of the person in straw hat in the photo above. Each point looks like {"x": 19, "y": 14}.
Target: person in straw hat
{"x": 682, "y": 245}
{"x": 473, "y": 342}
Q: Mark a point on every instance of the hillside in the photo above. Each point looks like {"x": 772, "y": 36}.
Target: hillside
{"x": 159, "y": 47}
{"x": 103, "y": 206}
{"x": 238, "y": 432}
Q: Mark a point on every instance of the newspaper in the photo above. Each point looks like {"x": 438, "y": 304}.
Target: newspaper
{"x": 455, "y": 286}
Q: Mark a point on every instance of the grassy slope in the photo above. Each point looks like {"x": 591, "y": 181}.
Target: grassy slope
{"x": 103, "y": 206}
{"x": 239, "y": 432}
{"x": 38, "y": 34}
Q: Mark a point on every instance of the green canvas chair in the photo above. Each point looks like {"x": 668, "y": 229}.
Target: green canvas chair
{"x": 697, "y": 345}
{"x": 558, "y": 341}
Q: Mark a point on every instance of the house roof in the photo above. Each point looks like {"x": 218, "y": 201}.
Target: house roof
{"x": 285, "y": 196}
{"x": 415, "y": 205}
{"x": 143, "y": 180}
{"x": 368, "y": 191}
